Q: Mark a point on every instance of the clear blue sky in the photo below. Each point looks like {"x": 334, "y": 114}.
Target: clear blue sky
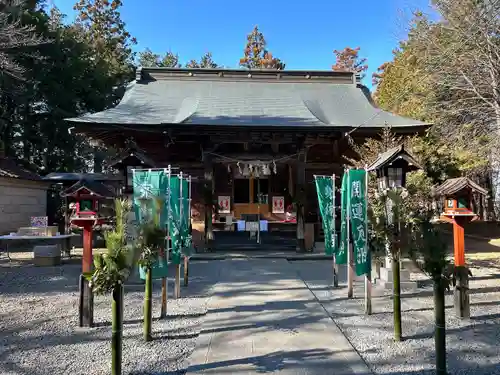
{"x": 301, "y": 33}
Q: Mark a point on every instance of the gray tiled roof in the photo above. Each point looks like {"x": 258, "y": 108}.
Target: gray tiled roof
{"x": 10, "y": 169}
{"x": 390, "y": 155}
{"x": 96, "y": 187}
{"x": 454, "y": 185}
{"x": 246, "y": 102}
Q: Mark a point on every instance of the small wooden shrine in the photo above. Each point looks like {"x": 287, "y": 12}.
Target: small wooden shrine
{"x": 457, "y": 194}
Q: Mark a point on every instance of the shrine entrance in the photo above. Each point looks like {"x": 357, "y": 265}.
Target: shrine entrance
{"x": 246, "y": 218}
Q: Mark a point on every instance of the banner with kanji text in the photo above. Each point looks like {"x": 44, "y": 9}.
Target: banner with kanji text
{"x": 341, "y": 257}
{"x": 357, "y": 203}
{"x": 325, "y": 189}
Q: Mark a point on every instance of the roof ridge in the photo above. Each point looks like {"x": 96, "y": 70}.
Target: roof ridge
{"x": 148, "y": 73}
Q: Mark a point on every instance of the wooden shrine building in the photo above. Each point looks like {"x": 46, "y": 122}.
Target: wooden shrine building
{"x": 253, "y": 138}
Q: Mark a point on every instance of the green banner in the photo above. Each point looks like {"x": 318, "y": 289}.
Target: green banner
{"x": 175, "y": 221}
{"x": 185, "y": 209}
{"x": 150, "y": 203}
{"x": 341, "y": 257}
{"x": 357, "y": 204}
{"x": 325, "y": 189}
{"x": 187, "y": 243}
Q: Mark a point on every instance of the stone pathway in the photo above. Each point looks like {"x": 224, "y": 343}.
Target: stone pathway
{"x": 263, "y": 319}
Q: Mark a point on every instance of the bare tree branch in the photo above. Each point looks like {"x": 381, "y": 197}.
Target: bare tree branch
{"x": 14, "y": 37}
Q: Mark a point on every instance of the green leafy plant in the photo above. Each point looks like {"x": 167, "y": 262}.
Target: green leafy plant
{"x": 149, "y": 243}
{"x": 110, "y": 272}
{"x": 113, "y": 267}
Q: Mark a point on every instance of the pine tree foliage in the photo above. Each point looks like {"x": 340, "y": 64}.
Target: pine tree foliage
{"x": 113, "y": 268}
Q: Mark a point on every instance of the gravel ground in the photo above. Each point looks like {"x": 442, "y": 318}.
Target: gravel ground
{"x": 39, "y": 331}
{"x": 473, "y": 346}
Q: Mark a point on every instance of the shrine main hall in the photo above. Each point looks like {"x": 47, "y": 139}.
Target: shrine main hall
{"x": 252, "y": 140}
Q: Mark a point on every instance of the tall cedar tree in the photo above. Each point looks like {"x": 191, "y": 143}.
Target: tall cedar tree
{"x": 105, "y": 31}
{"x": 206, "y": 61}
{"x": 348, "y": 60}
{"x": 149, "y": 59}
{"x": 256, "y": 56}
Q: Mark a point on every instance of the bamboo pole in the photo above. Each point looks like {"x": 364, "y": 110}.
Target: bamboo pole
{"x": 334, "y": 234}
{"x": 117, "y": 330}
{"x": 164, "y": 281}
{"x": 440, "y": 327}
{"x": 186, "y": 271}
{"x": 177, "y": 281}
{"x": 350, "y": 252}
{"x": 396, "y": 291}
{"x": 148, "y": 296}
{"x": 178, "y": 266}
{"x": 186, "y": 258}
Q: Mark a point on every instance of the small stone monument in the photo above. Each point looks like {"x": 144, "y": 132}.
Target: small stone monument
{"x": 46, "y": 255}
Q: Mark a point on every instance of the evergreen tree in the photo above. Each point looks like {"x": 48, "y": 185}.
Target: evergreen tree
{"x": 256, "y": 55}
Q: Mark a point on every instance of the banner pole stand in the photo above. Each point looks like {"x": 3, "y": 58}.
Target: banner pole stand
{"x": 186, "y": 257}
{"x": 334, "y": 214}
{"x": 350, "y": 250}
{"x": 177, "y": 288}
{"x": 164, "y": 282}
{"x": 368, "y": 276}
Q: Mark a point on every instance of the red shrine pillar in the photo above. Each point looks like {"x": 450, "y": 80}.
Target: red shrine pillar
{"x": 459, "y": 241}
{"x": 86, "y": 295}
{"x": 87, "y": 248}
{"x": 461, "y": 291}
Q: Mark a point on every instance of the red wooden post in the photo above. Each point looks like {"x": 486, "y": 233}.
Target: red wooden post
{"x": 459, "y": 241}
{"x": 86, "y": 294}
{"x": 87, "y": 247}
{"x": 461, "y": 292}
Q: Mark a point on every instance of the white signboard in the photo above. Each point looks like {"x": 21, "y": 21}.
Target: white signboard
{"x": 278, "y": 205}
{"x": 224, "y": 204}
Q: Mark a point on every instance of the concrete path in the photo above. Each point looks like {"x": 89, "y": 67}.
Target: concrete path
{"x": 263, "y": 319}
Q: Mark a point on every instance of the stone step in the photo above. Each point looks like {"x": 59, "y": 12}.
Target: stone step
{"x": 407, "y": 286}
{"x": 387, "y": 275}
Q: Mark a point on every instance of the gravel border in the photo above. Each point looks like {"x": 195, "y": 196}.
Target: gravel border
{"x": 472, "y": 345}
{"x": 39, "y": 331}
